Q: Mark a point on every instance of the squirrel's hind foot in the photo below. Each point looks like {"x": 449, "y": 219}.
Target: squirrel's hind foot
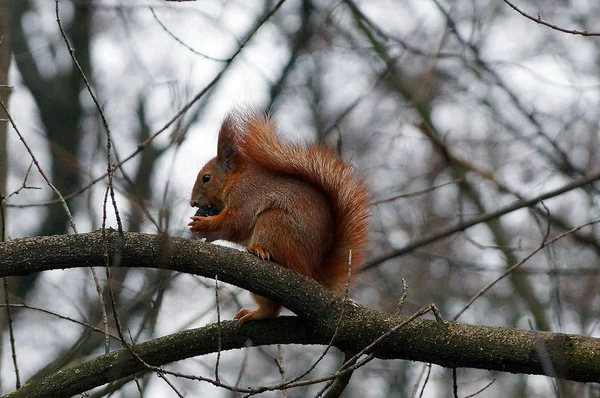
{"x": 245, "y": 315}
{"x": 266, "y": 309}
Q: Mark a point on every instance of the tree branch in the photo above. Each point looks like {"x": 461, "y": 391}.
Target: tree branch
{"x": 574, "y": 357}
{"x": 185, "y": 344}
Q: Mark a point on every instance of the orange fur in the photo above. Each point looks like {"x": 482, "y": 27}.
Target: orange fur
{"x": 301, "y": 206}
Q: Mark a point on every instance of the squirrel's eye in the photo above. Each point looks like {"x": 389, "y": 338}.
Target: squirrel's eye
{"x": 205, "y": 178}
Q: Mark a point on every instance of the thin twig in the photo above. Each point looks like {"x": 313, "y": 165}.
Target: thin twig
{"x": 488, "y": 385}
{"x": 107, "y": 268}
{"x": 2, "y": 217}
{"x": 426, "y": 380}
{"x": 137, "y": 382}
{"x": 163, "y": 220}
{"x": 418, "y": 192}
{"x": 336, "y": 387}
{"x": 178, "y": 40}
{"x": 454, "y": 383}
{"x": 242, "y": 369}
{"x": 540, "y": 21}
{"x": 280, "y": 367}
{"x": 218, "y": 328}
{"x": 11, "y": 332}
{"x": 66, "y": 318}
{"x": 400, "y": 303}
{"x": 162, "y": 376}
{"x": 415, "y": 388}
{"x": 23, "y": 186}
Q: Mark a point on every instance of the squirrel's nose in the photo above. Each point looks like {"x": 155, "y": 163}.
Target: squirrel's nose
{"x": 193, "y": 203}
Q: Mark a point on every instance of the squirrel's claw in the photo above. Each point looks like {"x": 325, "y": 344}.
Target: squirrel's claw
{"x": 193, "y": 227}
{"x": 194, "y": 219}
{"x": 261, "y": 253}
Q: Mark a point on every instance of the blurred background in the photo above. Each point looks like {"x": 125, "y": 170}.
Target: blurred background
{"x": 451, "y": 109}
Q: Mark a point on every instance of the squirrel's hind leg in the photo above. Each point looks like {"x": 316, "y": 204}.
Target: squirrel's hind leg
{"x": 278, "y": 237}
{"x": 266, "y": 309}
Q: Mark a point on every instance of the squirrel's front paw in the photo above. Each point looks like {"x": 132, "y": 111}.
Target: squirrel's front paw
{"x": 197, "y": 224}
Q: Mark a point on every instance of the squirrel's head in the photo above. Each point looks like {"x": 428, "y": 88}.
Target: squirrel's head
{"x": 208, "y": 188}
{"x": 211, "y": 182}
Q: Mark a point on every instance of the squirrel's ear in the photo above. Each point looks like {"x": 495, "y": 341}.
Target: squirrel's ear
{"x": 226, "y": 155}
{"x": 227, "y": 147}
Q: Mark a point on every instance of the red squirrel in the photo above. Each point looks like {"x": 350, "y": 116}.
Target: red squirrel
{"x": 300, "y": 206}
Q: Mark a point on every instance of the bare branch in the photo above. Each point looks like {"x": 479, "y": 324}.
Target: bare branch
{"x": 178, "y": 40}
{"x": 540, "y": 21}
{"x": 11, "y": 333}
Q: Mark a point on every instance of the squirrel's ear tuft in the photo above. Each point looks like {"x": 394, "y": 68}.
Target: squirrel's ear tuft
{"x": 228, "y": 145}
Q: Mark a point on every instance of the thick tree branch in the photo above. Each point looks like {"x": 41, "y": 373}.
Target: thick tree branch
{"x": 185, "y": 344}
{"x": 573, "y": 357}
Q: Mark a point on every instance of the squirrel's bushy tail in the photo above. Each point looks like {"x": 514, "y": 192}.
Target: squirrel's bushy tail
{"x": 345, "y": 191}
